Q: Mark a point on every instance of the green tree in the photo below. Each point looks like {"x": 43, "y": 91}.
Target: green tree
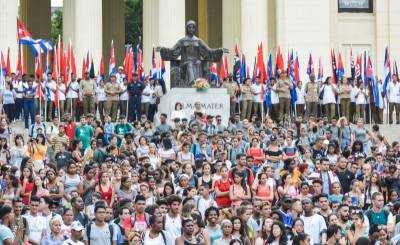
{"x": 56, "y": 25}
{"x": 133, "y": 21}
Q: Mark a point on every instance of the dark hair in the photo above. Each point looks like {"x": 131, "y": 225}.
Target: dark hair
{"x": 174, "y": 198}
{"x": 242, "y": 181}
{"x": 168, "y": 184}
{"x": 30, "y": 179}
{"x": 300, "y": 237}
{"x": 332, "y": 230}
{"x": 140, "y": 198}
{"x": 242, "y": 230}
{"x": 99, "y": 205}
{"x": 176, "y": 105}
{"x": 209, "y": 210}
{"x": 283, "y": 237}
{"x": 34, "y": 199}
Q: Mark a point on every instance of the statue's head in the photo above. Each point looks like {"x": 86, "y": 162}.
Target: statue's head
{"x": 191, "y": 27}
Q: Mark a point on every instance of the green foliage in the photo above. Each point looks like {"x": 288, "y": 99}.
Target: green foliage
{"x": 133, "y": 21}
{"x": 56, "y": 25}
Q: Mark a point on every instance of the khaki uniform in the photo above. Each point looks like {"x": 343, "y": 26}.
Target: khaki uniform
{"x": 231, "y": 88}
{"x": 88, "y": 90}
{"x": 344, "y": 92}
{"x": 312, "y": 98}
{"x": 284, "y": 99}
{"x": 112, "y": 90}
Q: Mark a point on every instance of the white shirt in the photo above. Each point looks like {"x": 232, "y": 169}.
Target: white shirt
{"x": 124, "y": 95}
{"x": 202, "y": 204}
{"x": 329, "y": 95}
{"x": 70, "y": 242}
{"x": 18, "y": 86}
{"x": 394, "y": 92}
{"x": 73, "y": 90}
{"x": 101, "y": 95}
{"x": 147, "y": 90}
{"x": 381, "y": 102}
{"x": 36, "y": 225}
{"x": 61, "y": 94}
{"x": 173, "y": 226}
{"x": 158, "y": 240}
{"x": 258, "y": 93}
{"x": 313, "y": 226}
{"x": 353, "y": 93}
{"x": 361, "y": 99}
{"x": 51, "y": 85}
{"x": 274, "y": 96}
{"x": 177, "y": 114}
{"x": 120, "y": 77}
{"x": 300, "y": 96}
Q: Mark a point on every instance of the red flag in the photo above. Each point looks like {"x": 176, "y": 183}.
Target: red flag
{"x": 126, "y": 60}
{"x": 61, "y": 60}
{"x": 222, "y": 70}
{"x": 296, "y": 70}
{"x": 102, "y": 66}
{"x": 236, "y": 50}
{"x": 73, "y": 65}
{"x": 8, "y": 62}
{"x": 226, "y": 67}
{"x": 260, "y": 67}
{"x": 40, "y": 72}
{"x": 3, "y": 63}
{"x": 55, "y": 75}
{"x": 288, "y": 64}
{"x": 19, "y": 66}
{"x": 279, "y": 62}
{"x": 87, "y": 61}
{"x": 130, "y": 66}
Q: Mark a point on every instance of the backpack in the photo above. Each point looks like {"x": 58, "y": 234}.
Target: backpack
{"x": 110, "y": 228}
{"x": 162, "y": 235}
{"x": 146, "y": 219}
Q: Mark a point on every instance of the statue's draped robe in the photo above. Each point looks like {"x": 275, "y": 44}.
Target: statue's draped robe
{"x": 192, "y": 51}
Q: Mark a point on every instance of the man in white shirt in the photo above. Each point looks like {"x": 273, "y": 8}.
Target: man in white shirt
{"x": 37, "y": 223}
{"x": 394, "y": 99}
{"x": 18, "y": 87}
{"x": 101, "y": 98}
{"x": 72, "y": 95}
{"x": 156, "y": 235}
{"x": 51, "y": 87}
{"x": 314, "y": 224}
{"x": 61, "y": 95}
{"x": 123, "y": 98}
{"x": 258, "y": 97}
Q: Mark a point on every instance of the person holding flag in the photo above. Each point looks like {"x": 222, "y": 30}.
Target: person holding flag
{"x": 232, "y": 89}
{"x": 283, "y": 88}
{"x": 51, "y": 87}
{"x": 393, "y": 92}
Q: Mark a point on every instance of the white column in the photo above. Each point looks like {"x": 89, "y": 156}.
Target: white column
{"x": 394, "y": 30}
{"x": 84, "y": 30}
{"x": 163, "y": 25}
{"x": 231, "y": 25}
{"x": 8, "y": 30}
{"x": 254, "y": 28}
{"x": 382, "y": 34}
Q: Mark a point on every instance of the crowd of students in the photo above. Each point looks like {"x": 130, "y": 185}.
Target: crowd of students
{"x": 190, "y": 179}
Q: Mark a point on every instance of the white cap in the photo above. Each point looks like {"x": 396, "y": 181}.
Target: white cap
{"x": 76, "y": 226}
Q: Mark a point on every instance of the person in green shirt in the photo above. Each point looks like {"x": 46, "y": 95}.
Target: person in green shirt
{"x": 122, "y": 128}
{"x": 84, "y": 133}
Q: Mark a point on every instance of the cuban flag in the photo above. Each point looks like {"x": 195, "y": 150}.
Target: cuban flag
{"x": 243, "y": 68}
{"x": 140, "y": 65}
{"x": 111, "y": 68}
{"x": 340, "y": 67}
{"x": 320, "y": 70}
{"x": 352, "y": 65}
{"x": 162, "y": 70}
{"x": 213, "y": 71}
{"x": 310, "y": 66}
{"x": 293, "y": 94}
{"x": 154, "y": 65}
{"x": 2, "y": 79}
{"x": 358, "y": 69}
{"x": 270, "y": 71}
{"x": 3, "y": 65}
{"x": 36, "y": 46}
{"x": 236, "y": 65}
{"x": 334, "y": 68}
{"x": 374, "y": 82}
{"x": 387, "y": 72}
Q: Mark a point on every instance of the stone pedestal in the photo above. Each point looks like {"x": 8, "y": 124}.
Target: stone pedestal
{"x": 214, "y": 101}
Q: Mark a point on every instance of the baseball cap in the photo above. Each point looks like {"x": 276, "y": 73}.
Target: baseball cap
{"x": 286, "y": 197}
{"x": 272, "y": 138}
{"x": 76, "y": 226}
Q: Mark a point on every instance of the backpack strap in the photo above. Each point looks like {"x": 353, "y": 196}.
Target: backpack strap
{"x": 88, "y": 229}
{"x": 163, "y": 237}
{"x": 111, "y": 229}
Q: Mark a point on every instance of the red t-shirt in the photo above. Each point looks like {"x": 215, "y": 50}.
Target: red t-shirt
{"x": 255, "y": 152}
{"x": 28, "y": 190}
{"x": 70, "y": 131}
{"x": 223, "y": 186}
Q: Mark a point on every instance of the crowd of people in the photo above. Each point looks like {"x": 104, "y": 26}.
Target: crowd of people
{"x": 306, "y": 175}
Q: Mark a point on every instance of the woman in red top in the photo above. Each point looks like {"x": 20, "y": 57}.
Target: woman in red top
{"x": 222, "y": 187}
{"x": 256, "y": 152}
{"x": 105, "y": 188}
{"x": 26, "y": 184}
{"x": 261, "y": 189}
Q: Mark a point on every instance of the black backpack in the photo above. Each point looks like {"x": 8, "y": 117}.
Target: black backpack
{"x": 110, "y": 228}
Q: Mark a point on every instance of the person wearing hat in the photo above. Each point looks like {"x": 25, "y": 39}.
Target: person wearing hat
{"x": 112, "y": 90}
{"x": 87, "y": 87}
{"x": 76, "y": 234}
{"x": 72, "y": 95}
{"x": 120, "y": 75}
{"x": 135, "y": 89}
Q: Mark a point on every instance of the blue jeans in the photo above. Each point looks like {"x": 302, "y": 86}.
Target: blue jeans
{"x": 135, "y": 110}
{"x": 29, "y": 110}
{"x": 19, "y": 104}
{"x": 345, "y": 143}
